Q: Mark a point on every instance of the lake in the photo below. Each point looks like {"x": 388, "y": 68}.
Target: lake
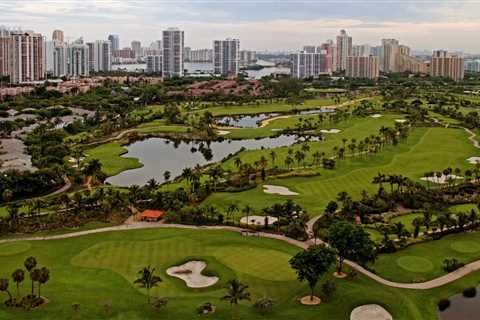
{"x": 462, "y": 308}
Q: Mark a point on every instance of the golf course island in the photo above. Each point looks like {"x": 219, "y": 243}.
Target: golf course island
{"x": 247, "y": 199}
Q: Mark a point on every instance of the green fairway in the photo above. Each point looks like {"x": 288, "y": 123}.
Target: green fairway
{"x": 93, "y": 269}
{"x": 424, "y": 261}
{"x": 426, "y": 149}
{"x": 109, "y": 155}
{"x": 407, "y": 220}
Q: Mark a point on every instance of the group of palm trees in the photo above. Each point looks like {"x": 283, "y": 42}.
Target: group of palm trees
{"x": 39, "y": 276}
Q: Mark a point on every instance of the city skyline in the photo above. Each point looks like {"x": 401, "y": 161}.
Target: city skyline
{"x": 275, "y": 26}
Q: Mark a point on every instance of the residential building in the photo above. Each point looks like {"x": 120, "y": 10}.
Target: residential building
{"x": 57, "y": 36}
{"x": 447, "y": 65}
{"x": 247, "y": 57}
{"x": 331, "y": 51}
{"x": 226, "y": 57}
{"x": 100, "y": 57}
{"x": 344, "y": 49}
{"x": 137, "y": 48}
{"x": 78, "y": 59}
{"x": 201, "y": 55}
{"x": 125, "y": 53}
{"x": 470, "y": 65}
{"x": 407, "y": 63}
{"x": 309, "y": 65}
{"x": 115, "y": 41}
{"x": 186, "y": 54}
{"x": 376, "y": 51}
{"x": 388, "y": 55}
{"x": 365, "y": 67}
{"x": 363, "y": 50}
{"x": 173, "y": 44}
{"x": 157, "y": 45}
{"x": 309, "y": 49}
{"x": 154, "y": 64}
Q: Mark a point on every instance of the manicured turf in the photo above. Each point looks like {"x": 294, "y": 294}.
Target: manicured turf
{"x": 109, "y": 155}
{"x": 407, "y": 220}
{"x": 424, "y": 261}
{"x": 94, "y": 269}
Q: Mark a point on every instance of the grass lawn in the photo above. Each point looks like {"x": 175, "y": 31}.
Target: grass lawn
{"x": 424, "y": 261}
{"x": 109, "y": 155}
{"x": 426, "y": 149}
{"x": 159, "y": 126}
{"x": 93, "y": 269}
{"x": 407, "y": 220}
{"x": 466, "y": 208}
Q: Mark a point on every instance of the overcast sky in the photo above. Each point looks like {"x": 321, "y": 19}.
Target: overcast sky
{"x": 259, "y": 24}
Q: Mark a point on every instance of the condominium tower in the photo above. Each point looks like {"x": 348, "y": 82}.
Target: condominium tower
{"x": 226, "y": 57}
{"x": 447, "y": 65}
{"x": 115, "y": 42}
{"x": 366, "y": 67}
{"x": 344, "y": 49}
{"x": 173, "y": 43}
{"x": 100, "y": 56}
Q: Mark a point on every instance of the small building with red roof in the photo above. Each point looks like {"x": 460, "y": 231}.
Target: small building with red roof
{"x": 152, "y": 215}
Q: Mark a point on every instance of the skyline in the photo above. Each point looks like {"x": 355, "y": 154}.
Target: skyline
{"x": 425, "y": 25}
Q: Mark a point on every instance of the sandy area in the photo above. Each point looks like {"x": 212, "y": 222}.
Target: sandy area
{"x": 308, "y": 301}
{"x": 283, "y": 191}
{"x": 474, "y": 160}
{"x": 376, "y": 115}
{"x": 267, "y": 121}
{"x": 191, "y": 273}
{"x": 258, "y": 220}
{"x": 13, "y": 155}
{"x": 401, "y": 120}
{"x": 331, "y": 131}
{"x": 442, "y": 180}
{"x": 222, "y": 132}
{"x": 370, "y": 312}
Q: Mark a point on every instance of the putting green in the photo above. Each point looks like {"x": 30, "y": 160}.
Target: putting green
{"x": 465, "y": 246}
{"x": 11, "y": 249}
{"x": 414, "y": 264}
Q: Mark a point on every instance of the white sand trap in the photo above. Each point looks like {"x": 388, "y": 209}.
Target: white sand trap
{"x": 258, "y": 220}
{"x": 442, "y": 180}
{"x": 191, "y": 273}
{"x": 401, "y": 120}
{"x": 370, "y": 312}
{"x": 474, "y": 160}
{"x": 331, "y": 131}
{"x": 376, "y": 115}
{"x": 283, "y": 191}
{"x": 223, "y": 132}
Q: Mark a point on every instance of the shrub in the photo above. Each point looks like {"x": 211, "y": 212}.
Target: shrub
{"x": 470, "y": 292}
{"x": 443, "y": 304}
{"x": 450, "y": 265}
{"x": 206, "y": 308}
{"x": 264, "y": 305}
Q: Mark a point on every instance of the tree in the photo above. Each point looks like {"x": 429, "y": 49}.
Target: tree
{"x": 4, "y": 287}
{"x": 264, "y": 305}
{"x": 43, "y": 278}
{"x": 247, "y": 210}
{"x": 236, "y": 292}
{"x": 351, "y": 242}
{"x": 166, "y": 175}
{"x": 147, "y": 279}
{"x": 311, "y": 264}
{"x": 30, "y": 263}
{"x": 18, "y": 276}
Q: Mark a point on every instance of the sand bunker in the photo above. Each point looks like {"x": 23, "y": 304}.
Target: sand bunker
{"x": 222, "y": 132}
{"x": 191, "y": 273}
{"x": 258, "y": 220}
{"x": 474, "y": 160}
{"x": 370, "y": 312}
{"x": 376, "y": 115}
{"x": 283, "y": 191}
{"x": 443, "y": 179}
{"x": 401, "y": 120}
{"x": 330, "y": 131}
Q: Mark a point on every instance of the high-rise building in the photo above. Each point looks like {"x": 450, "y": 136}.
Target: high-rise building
{"x": 447, "y": 65}
{"x": 365, "y": 67}
{"x": 331, "y": 51}
{"x": 309, "y": 65}
{"x": 309, "y": 49}
{"x": 173, "y": 43}
{"x": 57, "y": 36}
{"x": 247, "y": 57}
{"x": 344, "y": 49}
{"x": 154, "y": 64}
{"x": 226, "y": 57}
{"x": 388, "y": 55}
{"x": 77, "y": 59}
{"x": 157, "y": 45}
{"x": 470, "y": 65}
{"x": 201, "y": 55}
{"x": 115, "y": 41}
{"x": 187, "y": 54}
{"x": 22, "y": 56}
{"x": 363, "y": 50}
{"x": 100, "y": 56}
{"x": 137, "y": 48}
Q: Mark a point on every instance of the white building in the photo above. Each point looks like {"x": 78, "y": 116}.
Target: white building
{"x": 201, "y": 55}
{"x": 363, "y": 50}
{"x": 247, "y": 57}
{"x": 173, "y": 43}
{"x": 344, "y": 49}
{"x": 77, "y": 59}
{"x": 100, "y": 56}
{"x": 388, "y": 55}
{"x": 472, "y": 65}
{"x": 137, "y": 48}
{"x": 226, "y": 57}
{"x": 309, "y": 65}
{"x": 115, "y": 42}
{"x": 154, "y": 64}
{"x": 56, "y": 58}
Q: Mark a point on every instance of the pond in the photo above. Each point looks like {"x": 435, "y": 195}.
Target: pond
{"x": 462, "y": 308}
{"x": 159, "y": 155}
{"x": 254, "y": 121}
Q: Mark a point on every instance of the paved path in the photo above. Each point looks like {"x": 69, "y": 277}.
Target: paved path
{"x": 65, "y": 187}
{"x": 434, "y": 283}
{"x": 472, "y": 138}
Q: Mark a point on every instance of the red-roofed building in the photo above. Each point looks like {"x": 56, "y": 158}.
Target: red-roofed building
{"x": 152, "y": 215}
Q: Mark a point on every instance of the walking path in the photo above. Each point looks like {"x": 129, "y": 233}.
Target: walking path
{"x": 434, "y": 283}
{"x": 472, "y": 138}
{"x": 65, "y": 187}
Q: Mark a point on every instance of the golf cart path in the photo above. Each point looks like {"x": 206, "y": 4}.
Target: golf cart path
{"x": 472, "y": 138}
{"x": 434, "y": 283}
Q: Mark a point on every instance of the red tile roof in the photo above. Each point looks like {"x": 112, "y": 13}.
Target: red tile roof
{"x": 152, "y": 214}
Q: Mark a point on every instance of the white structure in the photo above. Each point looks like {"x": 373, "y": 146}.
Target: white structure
{"x": 306, "y": 65}
{"x": 56, "y": 58}
{"x": 447, "y": 65}
{"x": 388, "y": 55}
{"x": 154, "y": 64}
{"x": 173, "y": 43}
{"x": 115, "y": 42}
{"x": 137, "y": 48}
{"x": 472, "y": 65}
{"x": 362, "y": 67}
{"x": 331, "y": 50}
{"x": 226, "y": 57}
{"x": 363, "y": 50}
{"x": 201, "y": 55}
{"x": 100, "y": 56}
{"x": 77, "y": 59}
{"x": 247, "y": 57}
{"x": 344, "y": 49}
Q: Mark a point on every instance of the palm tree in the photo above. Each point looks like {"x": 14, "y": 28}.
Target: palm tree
{"x": 93, "y": 168}
{"x": 237, "y": 162}
{"x": 30, "y": 263}
{"x": 273, "y": 156}
{"x": 231, "y": 210}
{"x": 300, "y": 156}
{"x": 4, "y": 287}
{"x": 147, "y": 279}
{"x": 288, "y": 161}
{"x": 43, "y": 277}
{"x": 247, "y": 210}
{"x": 166, "y": 175}
{"x": 18, "y": 276}
{"x": 152, "y": 184}
{"x": 236, "y": 292}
